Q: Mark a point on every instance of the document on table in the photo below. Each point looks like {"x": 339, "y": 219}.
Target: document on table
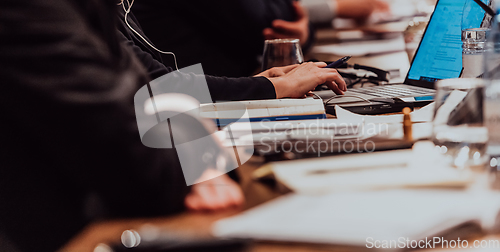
{"x": 361, "y": 48}
{"x": 247, "y": 134}
{"x": 360, "y": 218}
{"x": 346, "y": 125}
{"x": 224, "y": 113}
{"x": 370, "y": 171}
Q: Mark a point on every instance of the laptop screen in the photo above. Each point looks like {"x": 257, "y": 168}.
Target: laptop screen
{"x": 439, "y": 55}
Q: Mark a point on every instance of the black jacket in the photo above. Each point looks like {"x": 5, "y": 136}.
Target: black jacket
{"x": 70, "y": 150}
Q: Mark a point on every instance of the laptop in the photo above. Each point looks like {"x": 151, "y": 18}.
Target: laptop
{"x": 438, "y": 56}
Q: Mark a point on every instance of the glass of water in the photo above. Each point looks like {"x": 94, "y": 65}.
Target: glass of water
{"x": 281, "y": 52}
{"x": 459, "y": 131}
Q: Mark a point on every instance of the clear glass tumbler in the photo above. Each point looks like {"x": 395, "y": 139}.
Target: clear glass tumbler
{"x": 281, "y": 52}
{"x": 459, "y": 130}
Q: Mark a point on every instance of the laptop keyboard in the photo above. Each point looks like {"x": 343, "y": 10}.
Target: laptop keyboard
{"x": 393, "y": 91}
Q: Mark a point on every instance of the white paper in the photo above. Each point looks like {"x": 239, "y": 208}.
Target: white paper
{"x": 361, "y": 48}
{"x": 368, "y": 171}
{"x": 246, "y": 134}
{"x": 351, "y": 218}
{"x": 262, "y": 108}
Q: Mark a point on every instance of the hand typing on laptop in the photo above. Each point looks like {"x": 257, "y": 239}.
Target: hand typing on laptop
{"x": 296, "y": 81}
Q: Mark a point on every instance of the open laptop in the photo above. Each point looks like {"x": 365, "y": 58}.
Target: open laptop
{"x": 438, "y": 56}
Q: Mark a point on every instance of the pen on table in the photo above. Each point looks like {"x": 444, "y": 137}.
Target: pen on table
{"x": 339, "y": 62}
{"x": 407, "y": 125}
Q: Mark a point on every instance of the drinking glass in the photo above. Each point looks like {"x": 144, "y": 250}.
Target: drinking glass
{"x": 281, "y": 52}
{"x": 459, "y": 131}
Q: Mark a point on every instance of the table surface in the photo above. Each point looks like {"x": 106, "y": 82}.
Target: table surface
{"x": 198, "y": 224}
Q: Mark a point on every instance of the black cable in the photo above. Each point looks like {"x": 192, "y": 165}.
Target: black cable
{"x": 485, "y": 7}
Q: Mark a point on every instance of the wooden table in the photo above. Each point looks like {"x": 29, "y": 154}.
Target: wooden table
{"x": 198, "y": 224}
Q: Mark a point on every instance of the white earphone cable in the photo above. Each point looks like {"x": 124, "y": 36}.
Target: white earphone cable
{"x": 127, "y": 10}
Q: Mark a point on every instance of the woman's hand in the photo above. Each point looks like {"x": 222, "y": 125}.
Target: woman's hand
{"x": 360, "y": 9}
{"x": 296, "y": 81}
{"x": 218, "y": 193}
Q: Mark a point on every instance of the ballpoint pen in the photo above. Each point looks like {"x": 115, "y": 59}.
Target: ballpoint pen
{"x": 339, "y": 62}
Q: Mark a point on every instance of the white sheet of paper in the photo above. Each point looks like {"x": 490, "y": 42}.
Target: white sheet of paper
{"x": 351, "y": 218}
{"x": 360, "y": 48}
{"x": 368, "y": 171}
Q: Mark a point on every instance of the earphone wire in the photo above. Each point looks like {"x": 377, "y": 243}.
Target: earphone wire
{"x": 127, "y": 11}
{"x": 340, "y": 96}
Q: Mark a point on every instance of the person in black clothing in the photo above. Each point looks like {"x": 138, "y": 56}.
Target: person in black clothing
{"x": 71, "y": 151}
{"x": 290, "y": 81}
{"x": 221, "y": 88}
{"x": 225, "y": 36}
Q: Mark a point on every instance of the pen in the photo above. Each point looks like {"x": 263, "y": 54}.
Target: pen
{"x": 339, "y": 62}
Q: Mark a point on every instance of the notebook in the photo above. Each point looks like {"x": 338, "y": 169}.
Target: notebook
{"x": 438, "y": 56}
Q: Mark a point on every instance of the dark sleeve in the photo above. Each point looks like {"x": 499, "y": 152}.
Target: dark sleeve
{"x": 154, "y": 67}
{"x": 244, "y": 88}
{"x": 219, "y": 88}
{"x": 74, "y": 105}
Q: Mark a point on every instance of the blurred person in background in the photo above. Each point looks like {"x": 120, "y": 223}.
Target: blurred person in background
{"x": 227, "y": 36}
{"x": 324, "y": 11}
{"x": 285, "y": 82}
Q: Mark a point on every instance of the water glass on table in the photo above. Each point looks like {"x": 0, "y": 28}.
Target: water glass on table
{"x": 281, "y": 52}
{"x": 459, "y": 131}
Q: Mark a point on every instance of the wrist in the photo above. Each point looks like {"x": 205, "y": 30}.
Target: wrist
{"x": 279, "y": 84}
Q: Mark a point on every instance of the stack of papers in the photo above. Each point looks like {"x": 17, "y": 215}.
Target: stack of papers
{"x": 257, "y": 110}
{"x": 248, "y": 134}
